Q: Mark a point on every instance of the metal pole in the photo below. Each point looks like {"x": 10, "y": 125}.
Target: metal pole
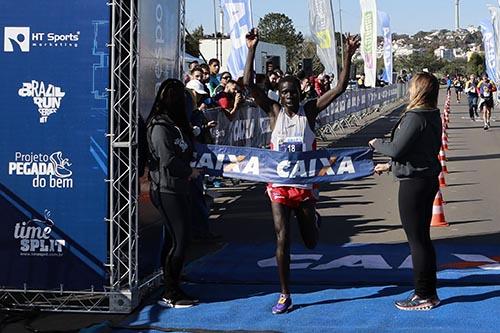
{"x": 215, "y": 31}
{"x": 457, "y": 14}
{"x": 341, "y": 32}
{"x": 221, "y": 31}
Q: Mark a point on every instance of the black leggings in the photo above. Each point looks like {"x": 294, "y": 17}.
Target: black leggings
{"x": 175, "y": 210}
{"x": 416, "y": 197}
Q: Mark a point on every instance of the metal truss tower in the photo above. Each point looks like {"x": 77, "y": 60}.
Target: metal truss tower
{"x": 125, "y": 289}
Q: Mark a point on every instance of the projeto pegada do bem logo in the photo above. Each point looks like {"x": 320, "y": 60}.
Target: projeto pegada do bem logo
{"x": 22, "y": 39}
{"x": 47, "y": 97}
{"x": 46, "y": 170}
{"x": 36, "y": 239}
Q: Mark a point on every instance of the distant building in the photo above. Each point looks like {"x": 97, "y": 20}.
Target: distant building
{"x": 403, "y": 51}
{"x": 472, "y": 29}
{"x": 444, "y": 53}
{"x": 264, "y": 52}
{"x": 459, "y": 53}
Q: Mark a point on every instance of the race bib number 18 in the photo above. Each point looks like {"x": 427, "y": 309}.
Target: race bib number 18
{"x": 291, "y": 144}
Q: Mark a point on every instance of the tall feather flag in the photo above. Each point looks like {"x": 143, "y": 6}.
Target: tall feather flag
{"x": 239, "y": 15}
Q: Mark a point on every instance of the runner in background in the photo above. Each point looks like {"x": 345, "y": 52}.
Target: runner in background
{"x": 472, "y": 96}
{"x": 292, "y": 125}
{"x": 458, "y": 84}
{"x": 485, "y": 90}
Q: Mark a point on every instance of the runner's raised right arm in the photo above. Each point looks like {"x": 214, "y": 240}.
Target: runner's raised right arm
{"x": 264, "y": 102}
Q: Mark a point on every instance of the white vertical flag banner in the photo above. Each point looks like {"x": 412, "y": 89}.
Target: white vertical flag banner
{"x": 369, "y": 39}
{"x": 495, "y": 21}
{"x": 239, "y": 15}
{"x": 385, "y": 24}
{"x": 323, "y": 33}
{"x": 489, "y": 49}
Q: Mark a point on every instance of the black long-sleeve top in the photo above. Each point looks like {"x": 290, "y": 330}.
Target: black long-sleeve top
{"x": 414, "y": 145}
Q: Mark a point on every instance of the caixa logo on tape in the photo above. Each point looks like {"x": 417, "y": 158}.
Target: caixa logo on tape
{"x": 45, "y": 170}
{"x": 46, "y": 97}
{"x": 22, "y": 39}
{"x": 36, "y": 237}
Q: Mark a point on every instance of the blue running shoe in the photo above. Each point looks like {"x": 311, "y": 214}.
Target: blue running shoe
{"x": 284, "y": 304}
{"x": 417, "y": 303}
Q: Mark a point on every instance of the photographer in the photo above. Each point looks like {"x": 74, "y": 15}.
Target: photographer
{"x": 230, "y": 99}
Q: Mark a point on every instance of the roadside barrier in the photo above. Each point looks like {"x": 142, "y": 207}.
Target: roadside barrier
{"x": 251, "y": 126}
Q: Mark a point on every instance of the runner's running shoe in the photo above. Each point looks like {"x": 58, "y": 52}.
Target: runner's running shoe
{"x": 177, "y": 300}
{"x": 284, "y": 304}
{"x": 416, "y": 303}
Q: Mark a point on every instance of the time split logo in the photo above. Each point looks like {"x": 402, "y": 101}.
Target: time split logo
{"x": 46, "y": 97}
{"x": 36, "y": 237}
{"x": 46, "y": 170}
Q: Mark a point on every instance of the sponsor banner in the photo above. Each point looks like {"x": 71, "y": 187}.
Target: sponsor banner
{"x": 321, "y": 23}
{"x": 369, "y": 40}
{"x": 283, "y": 167}
{"x": 239, "y": 15}
{"x": 54, "y": 163}
{"x": 495, "y": 25}
{"x": 252, "y": 126}
{"x": 489, "y": 49}
{"x": 385, "y": 25}
{"x": 158, "y": 51}
{"x": 354, "y": 101}
{"x": 159, "y": 58}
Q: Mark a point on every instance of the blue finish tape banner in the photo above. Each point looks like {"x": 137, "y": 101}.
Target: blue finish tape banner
{"x": 54, "y": 154}
{"x": 263, "y": 165}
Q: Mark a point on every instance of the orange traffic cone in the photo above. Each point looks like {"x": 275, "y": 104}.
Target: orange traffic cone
{"x": 445, "y": 135}
{"x": 438, "y": 219}
{"x": 442, "y": 155}
{"x": 444, "y": 121}
{"x": 442, "y": 180}
{"x": 444, "y": 141}
{"x": 444, "y": 168}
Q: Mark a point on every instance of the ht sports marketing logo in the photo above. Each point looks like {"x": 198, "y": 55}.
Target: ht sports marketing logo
{"x": 36, "y": 238}
{"x": 22, "y": 39}
{"x": 46, "y": 97}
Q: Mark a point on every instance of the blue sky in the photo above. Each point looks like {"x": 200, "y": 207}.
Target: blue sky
{"x": 407, "y": 16}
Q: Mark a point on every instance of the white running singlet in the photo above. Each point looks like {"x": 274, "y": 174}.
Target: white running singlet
{"x": 293, "y": 134}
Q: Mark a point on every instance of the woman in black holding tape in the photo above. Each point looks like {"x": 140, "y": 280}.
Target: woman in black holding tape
{"x": 170, "y": 141}
{"x": 414, "y": 148}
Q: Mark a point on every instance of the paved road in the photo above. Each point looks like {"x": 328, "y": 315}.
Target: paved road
{"x": 365, "y": 211}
